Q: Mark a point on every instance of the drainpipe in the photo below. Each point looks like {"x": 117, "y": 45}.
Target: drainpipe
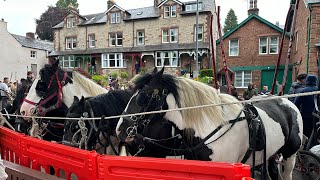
{"x": 309, "y": 34}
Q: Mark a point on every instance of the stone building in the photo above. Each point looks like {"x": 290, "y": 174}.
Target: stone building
{"x": 252, "y": 50}
{"x": 19, "y": 54}
{"x": 120, "y": 39}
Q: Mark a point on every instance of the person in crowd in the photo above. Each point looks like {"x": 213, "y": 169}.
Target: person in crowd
{"x": 234, "y": 91}
{"x": 4, "y": 92}
{"x": 100, "y": 82}
{"x": 14, "y": 87}
{"x": 265, "y": 91}
{"x": 297, "y": 86}
{"x": 306, "y": 104}
{"x": 30, "y": 77}
{"x": 137, "y": 67}
{"x": 250, "y": 92}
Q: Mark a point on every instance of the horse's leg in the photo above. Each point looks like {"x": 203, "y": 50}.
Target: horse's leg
{"x": 288, "y": 166}
{"x": 273, "y": 171}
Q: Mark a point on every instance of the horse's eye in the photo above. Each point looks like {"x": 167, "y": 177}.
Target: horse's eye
{"x": 142, "y": 99}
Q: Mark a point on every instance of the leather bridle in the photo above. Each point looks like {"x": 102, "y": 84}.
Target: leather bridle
{"x": 40, "y": 110}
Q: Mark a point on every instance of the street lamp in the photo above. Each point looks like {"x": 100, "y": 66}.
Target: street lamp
{"x": 196, "y": 71}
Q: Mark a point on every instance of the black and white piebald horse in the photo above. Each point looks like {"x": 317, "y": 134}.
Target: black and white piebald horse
{"x": 106, "y": 105}
{"x": 224, "y": 128}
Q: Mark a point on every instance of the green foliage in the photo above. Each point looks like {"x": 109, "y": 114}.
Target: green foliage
{"x": 230, "y": 22}
{"x": 97, "y": 78}
{"x": 124, "y": 75}
{"x": 206, "y": 80}
{"x": 51, "y": 17}
{"x": 115, "y": 75}
{"x": 206, "y": 73}
{"x": 143, "y": 71}
{"x": 65, "y": 3}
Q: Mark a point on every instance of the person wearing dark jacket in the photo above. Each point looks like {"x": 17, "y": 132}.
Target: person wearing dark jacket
{"x": 297, "y": 86}
{"x": 306, "y": 104}
{"x": 250, "y": 92}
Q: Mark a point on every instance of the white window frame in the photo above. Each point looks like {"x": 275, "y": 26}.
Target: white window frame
{"x": 142, "y": 37}
{"x": 260, "y": 46}
{"x": 73, "y": 22}
{"x": 173, "y": 12}
{"x": 199, "y": 32}
{"x": 71, "y": 40}
{"x": 274, "y": 45}
{"x": 169, "y": 35}
{"x": 236, "y": 47}
{"x": 92, "y": 40}
{"x": 166, "y": 11}
{"x": 105, "y": 61}
{"x": 171, "y": 57}
{"x": 69, "y": 61}
{"x": 33, "y": 54}
{"x": 68, "y": 23}
{"x": 116, "y": 38}
{"x": 243, "y": 85}
{"x": 115, "y": 18}
{"x": 193, "y": 7}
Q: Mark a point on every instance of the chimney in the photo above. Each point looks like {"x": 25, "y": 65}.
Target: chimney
{"x": 277, "y": 23}
{"x": 156, "y": 3}
{"x": 253, "y": 7}
{"x": 30, "y": 35}
{"x": 3, "y": 25}
{"x": 110, "y": 3}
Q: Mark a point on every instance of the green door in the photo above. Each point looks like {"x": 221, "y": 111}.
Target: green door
{"x": 267, "y": 79}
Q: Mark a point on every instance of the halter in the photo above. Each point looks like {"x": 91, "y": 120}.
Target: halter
{"x": 140, "y": 120}
{"x": 41, "y": 111}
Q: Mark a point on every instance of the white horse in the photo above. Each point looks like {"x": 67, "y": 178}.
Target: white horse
{"x": 281, "y": 118}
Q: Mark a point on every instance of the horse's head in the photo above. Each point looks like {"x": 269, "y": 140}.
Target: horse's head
{"x": 152, "y": 92}
{"x": 46, "y": 92}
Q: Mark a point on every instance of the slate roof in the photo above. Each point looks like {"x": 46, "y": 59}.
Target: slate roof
{"x": 135, "y": 14}
{"x": 164, "y": 47}
{"x": 34, "y": 43}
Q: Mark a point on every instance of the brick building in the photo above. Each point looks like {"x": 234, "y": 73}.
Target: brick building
{"x": 252, "y": 50}
{"x": 307, "y": 37}
{"x": 120, "y": 39}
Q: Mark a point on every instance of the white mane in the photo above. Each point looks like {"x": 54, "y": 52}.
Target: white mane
{"x": 193, "y": 93}
{"x": 88, "y": 85}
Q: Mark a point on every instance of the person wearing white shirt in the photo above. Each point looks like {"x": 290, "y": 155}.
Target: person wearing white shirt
{"x": 4, "y": 92}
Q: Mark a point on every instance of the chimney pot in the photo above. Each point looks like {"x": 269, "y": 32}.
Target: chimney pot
{"x": 110, "y": 3}
{"x": 2, "y": 19}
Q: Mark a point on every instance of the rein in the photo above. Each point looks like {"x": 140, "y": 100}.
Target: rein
{"x": 40, "y": 110}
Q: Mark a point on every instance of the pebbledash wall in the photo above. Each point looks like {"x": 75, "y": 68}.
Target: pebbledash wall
{"x": 152, "y": 23}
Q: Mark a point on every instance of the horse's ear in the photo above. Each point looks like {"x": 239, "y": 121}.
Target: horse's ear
{"x": 82, "y": 100}
{"x": 75, "y": 99}
{"x": 162, "y": 70}
{"x": 155, "y": 70}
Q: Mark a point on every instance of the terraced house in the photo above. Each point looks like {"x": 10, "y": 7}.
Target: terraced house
{"x": 120, "y": 39}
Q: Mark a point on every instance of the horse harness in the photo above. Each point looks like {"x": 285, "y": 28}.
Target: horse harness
{"x": 40, "y": 110}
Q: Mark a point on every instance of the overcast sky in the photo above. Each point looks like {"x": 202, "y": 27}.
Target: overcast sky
{"x": 21, "y": 14}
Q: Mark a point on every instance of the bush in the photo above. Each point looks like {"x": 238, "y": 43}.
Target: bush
{"x": 124, "y": 75}
{"x": 206, "y": 73}
{"x": 143, "y": 71}
{"x": 97, "y": 78}
{"x": 114, "y": 75}
{"x": 206, "y": 80}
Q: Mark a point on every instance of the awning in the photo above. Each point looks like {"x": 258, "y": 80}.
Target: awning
{"x": 221, "y": 72}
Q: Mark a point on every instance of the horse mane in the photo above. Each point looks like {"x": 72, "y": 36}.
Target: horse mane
{"x": 90, "y": 86}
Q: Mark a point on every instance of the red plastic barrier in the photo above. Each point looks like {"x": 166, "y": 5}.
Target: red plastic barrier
{"x": 39, "y": 154}
{"x": 10, "y": 145}
{"x": 115, "y": 167}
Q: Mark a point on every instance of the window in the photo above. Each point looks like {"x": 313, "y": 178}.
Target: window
{"x": 193, "y": 7}
{"x": 234, "y": 47}
{"x": 69, "y": 62}
{"x": 170, "y": 35}
{"x": 115, "y": 39}
{"x": 273, "y": 49}
{"x": 173, "y": 11}
{"x": 113, "y": 61}
{"x": 242, "y": 78}
{"x": 200, "y": 32}
{"x": 71, "y": 43}
{"x": 71, "y": 22}
{"x": 115, "y": 18}
{"x": 263, "y": 45}
{"x": 170, "y": 11}
{"x": 167, "y": 58}
{"x": 140, "y": 38}
{"x": 92, "y": 40}
{"x": 33, "y": 55}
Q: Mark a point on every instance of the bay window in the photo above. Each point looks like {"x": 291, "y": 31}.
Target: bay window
{"x": 167, "y": 58}
{"x": 113, "y": 60}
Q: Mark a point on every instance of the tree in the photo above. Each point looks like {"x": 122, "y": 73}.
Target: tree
{"x": 230, "y": 22}
{"x": 65, "y": 3}
{"x": 51, "y": 17}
